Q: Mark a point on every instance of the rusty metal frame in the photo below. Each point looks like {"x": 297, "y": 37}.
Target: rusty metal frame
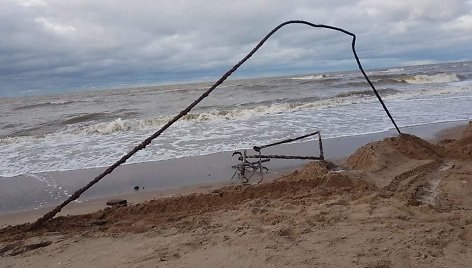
{"x": 245, "y": 166}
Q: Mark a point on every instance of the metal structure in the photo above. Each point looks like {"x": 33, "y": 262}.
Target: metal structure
{"x": 246, "y": 169}
{"x": 49, "y": 215}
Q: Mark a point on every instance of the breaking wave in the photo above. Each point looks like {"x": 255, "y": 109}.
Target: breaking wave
{"x": 83, "y": 125}
{"x": 117, "y": 125}
{"x": 310, "y": 77}
{"x": 369, "y": 92}
{"x": 79, "y": 125}
{"x": 233, "y": 113}
{"x": 12, "y": 140}
{"x": 429, "y": 79}
{"x": 393, "y": 70}
{"x": 253, "y": 110}
{"x": 228, "y": 113}
{"x": 43, "y": 104}
{"x": 85, "y": 118}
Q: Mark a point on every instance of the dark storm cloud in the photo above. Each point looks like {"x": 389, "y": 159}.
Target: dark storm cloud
{"x": 57, "y": 44}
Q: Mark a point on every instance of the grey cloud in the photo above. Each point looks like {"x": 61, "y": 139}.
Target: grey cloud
{"x": 56, "y": 44}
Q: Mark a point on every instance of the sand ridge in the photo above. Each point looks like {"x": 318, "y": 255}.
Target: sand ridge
{"x": 400, "y": 202}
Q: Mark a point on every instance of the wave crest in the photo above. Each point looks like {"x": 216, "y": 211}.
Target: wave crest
{"x": 429, "y": 79}
{"x": 310, "y": 77}
{"x": 42, "y": 104}
{"x": 369, "y": 92}
{"x": 117, "y": 125}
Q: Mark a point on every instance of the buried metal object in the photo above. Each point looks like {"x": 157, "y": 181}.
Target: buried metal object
{"x": 246, "y": 169}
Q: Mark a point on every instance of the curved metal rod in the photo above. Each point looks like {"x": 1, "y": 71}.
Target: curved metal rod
{"x": 147, "y": 141}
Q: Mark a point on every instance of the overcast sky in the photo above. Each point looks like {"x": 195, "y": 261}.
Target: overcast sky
{"x": 61, "y": 45}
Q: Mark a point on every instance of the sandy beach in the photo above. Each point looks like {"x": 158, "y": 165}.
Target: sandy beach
{"x": 235, "y": 134}
{"x": 42, "y": 191}
{"x": 398, "y": 202}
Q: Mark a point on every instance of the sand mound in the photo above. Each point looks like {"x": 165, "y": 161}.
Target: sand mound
{"x": 312, "y": 170}
{"x": 397, "y": 163}
{"x": 461, "y": 148}
{"x": 417, "y": 171}
{"x": 414, "y": 147}
{"x": 338, "y": 180}
{"x": 468, "y": 131}
{"x": 393, "y": 152}
{"x": 326, "y": 175}
{"x": 375, "y": 156}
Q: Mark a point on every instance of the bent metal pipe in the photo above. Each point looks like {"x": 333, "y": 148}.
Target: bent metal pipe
{"x": 48, "y": 216}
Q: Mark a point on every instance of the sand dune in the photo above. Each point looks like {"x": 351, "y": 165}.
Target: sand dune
{"x": 399, "y": 202}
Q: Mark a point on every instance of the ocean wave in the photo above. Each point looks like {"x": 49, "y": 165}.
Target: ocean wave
{"x": 253, "y": 104}
{"x": 369, "y": 92}
{"x": 236, "y": 113}
{"x": 117, "y": 125}
{"x": 376, "y": 80}
{"x": 429, "y": 79}
{"x": 85, "y": 117}
{"x": 393, "y": 70}
{"x": 310, "y": 77}
{"x": 13, "y": 140}
{"x": 80, "y": 125}
{"x": 42, "y": 104}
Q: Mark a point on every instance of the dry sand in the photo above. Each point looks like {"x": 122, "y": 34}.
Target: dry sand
{"x": 399, "y": 202}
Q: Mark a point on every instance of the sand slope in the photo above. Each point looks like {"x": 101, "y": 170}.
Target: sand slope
{"x": 400, "y": 202}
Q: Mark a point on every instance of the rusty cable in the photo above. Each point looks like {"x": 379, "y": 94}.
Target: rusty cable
{"x": 48, "y": 216}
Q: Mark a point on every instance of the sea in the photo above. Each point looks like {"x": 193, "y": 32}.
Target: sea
{"x": 88, "y": 129}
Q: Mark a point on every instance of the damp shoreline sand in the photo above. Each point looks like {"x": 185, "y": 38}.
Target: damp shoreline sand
{"x": 177, "y": 176}
{"x": 395, "y": 202}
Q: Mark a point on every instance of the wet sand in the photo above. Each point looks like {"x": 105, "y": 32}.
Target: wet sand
{"x": 35, "y": 195}
{"x": 397, "y": 202}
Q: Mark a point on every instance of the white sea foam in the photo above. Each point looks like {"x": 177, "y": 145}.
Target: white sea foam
{"x": 310, "y": 77}
{"x": 429, "y": 79}
{"x": 388, "y": 71}
{"x": 11, "y": 140}
{"x": 120, "y": 125}
{"x": 394, "y": 70}
{"x": 123, "y": 125}
{"x": 223, "y": 125}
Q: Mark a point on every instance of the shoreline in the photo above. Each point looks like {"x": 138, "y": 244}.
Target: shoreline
{"x": 398, "y": 202}
{"x": 201, "y": 173}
